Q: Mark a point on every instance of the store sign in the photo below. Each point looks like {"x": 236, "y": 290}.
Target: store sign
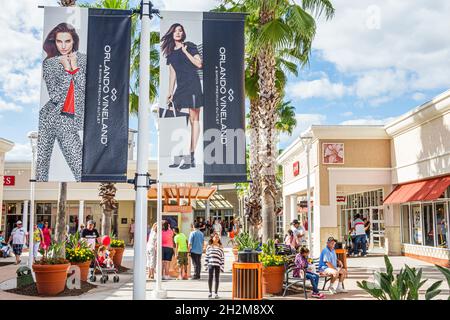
{"x": 296, "y": 168}
{"x": 9, "y": 180}
{"x": 341, "y": 199}
{"x": 83, "y": 119}
{"x": 175, "y": 208}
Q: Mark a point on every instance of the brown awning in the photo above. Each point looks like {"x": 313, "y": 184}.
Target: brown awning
{"x": 182, "y": 192}
{"x": 425, "y": 190}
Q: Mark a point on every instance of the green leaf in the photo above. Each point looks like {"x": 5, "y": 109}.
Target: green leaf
{"x": 433, "y": 291}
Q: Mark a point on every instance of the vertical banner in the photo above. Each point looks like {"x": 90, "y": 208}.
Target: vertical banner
{"x": 202, "y": 103}
{"x": 84, "y": 95}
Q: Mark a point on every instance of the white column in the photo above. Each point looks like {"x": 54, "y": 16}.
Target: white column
{"x": 286, "y": 213}
{"x": 208, "y": 209}
{"x": 139, "y": 281}
{"x": 33, "y": 141}
{"x": 80, "y": 213}
{"x": 25, "y": 214}
{"x": 293, "y": 207}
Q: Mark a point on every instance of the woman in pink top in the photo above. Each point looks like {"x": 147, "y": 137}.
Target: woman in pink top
{"x": 167, "y": 249}
{"x": 46, "y": 236}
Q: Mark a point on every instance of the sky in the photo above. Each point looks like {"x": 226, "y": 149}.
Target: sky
{"x": 374, "y": 61}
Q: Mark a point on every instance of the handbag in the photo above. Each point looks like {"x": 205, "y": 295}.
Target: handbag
{"x": 164, "y": 112}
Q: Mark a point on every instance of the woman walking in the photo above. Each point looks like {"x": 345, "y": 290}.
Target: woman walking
{"x": 185, "y": 89}
{"x": 167, "y": 249}
{"x": 62, "y": 117}
{"x": 151, "y": 251}
{"x": 215, "y": 261}
{"x": 46, "y": 236}
{"x": 37, "y": 238}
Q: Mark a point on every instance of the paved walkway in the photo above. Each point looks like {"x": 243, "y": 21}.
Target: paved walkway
{"x": 359, "y": 269}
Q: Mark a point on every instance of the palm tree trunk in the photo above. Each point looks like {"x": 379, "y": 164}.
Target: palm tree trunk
{"x": 109, "y": 204}
{"x": 106, "y": 222}
{"x": 269, "y": 97}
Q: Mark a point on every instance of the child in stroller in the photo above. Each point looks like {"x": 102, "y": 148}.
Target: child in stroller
{"x": 104, "y": 264}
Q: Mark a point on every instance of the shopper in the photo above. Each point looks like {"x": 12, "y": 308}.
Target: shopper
{"x": 18, "y": 239}
{"x": 46, "y": 236}
{"x": 367, "y": 229}
{"x": 298, "y": 230}
{"x": 151, "y": 251}
{"x": 37, "y": 238}
{"x": 215, "y": 261}
{"x": 90, "y": 234}
{"x": 196, "y": 240}
{"x": 302, "y": 263}
{"x": 360, "y": 232}
{"x": 131, "y": 232}
{"x": 329, "y": 265}
{"x": 181, "y": 252}
{"x": 167, "y": 249}
{"x": 217, "y": 227}
{"x": 291, "y": 241}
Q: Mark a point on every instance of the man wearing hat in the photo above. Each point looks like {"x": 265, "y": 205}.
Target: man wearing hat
{"x": 18, "y": 238}
{"x": 329, "y": 265}
{"x": 298, "y": 231}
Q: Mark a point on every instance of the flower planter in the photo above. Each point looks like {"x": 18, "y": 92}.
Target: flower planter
{"x": 84, "y": 269}
{"x": 118, "y": 254}
{"x": 51, "y": 278}
{"x": 272, "y": 279}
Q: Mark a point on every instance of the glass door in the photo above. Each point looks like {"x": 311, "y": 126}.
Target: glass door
{"x": 377, "y": 227}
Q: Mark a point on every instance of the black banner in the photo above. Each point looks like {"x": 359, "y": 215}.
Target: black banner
{"x": 105, "y": 140}
{"x": 224, "y": 117}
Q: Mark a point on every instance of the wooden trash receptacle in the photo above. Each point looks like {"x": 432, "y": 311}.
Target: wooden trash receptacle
{"x": 247, "y": 284}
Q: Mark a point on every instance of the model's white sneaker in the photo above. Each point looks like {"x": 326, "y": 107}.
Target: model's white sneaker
{"x": 341, "y": 290}
{"x": 332, "y": 290}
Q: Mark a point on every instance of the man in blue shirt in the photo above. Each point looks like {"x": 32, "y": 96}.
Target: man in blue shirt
{"x": 196, "y": 240}
{"x": 329, "y": 265}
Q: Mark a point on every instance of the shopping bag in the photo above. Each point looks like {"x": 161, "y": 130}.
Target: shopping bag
{"x": 171, "y": 112}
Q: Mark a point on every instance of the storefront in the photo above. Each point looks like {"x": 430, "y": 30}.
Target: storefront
{"x": 396, "y": 175}
{"x": 5, "y": 146}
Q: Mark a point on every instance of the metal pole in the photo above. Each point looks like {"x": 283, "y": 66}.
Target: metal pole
{"x": 31, "y": 257}
{"x": 158, "y": 292}
{"x": 308, "y": 197}
{"x": 141, "y": 183}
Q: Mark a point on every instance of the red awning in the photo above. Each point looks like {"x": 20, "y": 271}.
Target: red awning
{"x": 425, "y": 190}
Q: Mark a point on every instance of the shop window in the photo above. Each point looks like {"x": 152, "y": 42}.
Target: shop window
{"x": 416, "y": 224}
{"x": 11, "y": 208}
{"x": 441, "y": 226}
{"x": 428, "y": 224}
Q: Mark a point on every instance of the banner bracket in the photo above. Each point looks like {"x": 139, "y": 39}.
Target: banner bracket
{"x": 148, "y": 181}
{"x": 147, "y": 12}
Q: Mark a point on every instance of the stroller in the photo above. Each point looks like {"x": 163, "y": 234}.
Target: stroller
{"x": 6, "y": 251}
{"x": 104, "y": 271}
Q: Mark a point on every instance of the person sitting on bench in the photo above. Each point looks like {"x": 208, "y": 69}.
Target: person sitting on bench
{"x": 330, "y": 266}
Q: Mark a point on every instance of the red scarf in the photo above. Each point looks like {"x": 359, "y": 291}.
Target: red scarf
{"x": 69, "y": 103}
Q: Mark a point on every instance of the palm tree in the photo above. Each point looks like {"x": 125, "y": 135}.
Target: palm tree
{"x": 279, "y": 35}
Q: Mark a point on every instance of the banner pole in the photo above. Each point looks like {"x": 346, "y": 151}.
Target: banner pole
{"x": 139, "y": 281}
{"x": 33, "y": 140}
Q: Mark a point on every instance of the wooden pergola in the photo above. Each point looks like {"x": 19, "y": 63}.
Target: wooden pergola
{"x": 175, "y": 192}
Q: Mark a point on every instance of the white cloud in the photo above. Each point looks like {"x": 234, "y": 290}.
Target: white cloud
{"x": 369, "y": 120}
{"x": 20, "y": 152}
{"x": 304, "y": 121}
{"x": 392, "y": 48}
{"x": 347, "y": 114}
{"x": 419, "y": 96}
{"x": 8, "y": 106}
{"x": 319, "y": 88}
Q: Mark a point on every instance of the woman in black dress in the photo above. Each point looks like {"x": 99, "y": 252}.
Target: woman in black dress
{"x": 184, "y": 61}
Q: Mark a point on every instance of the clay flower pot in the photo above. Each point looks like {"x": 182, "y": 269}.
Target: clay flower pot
{"x": 51, "y": 278}
{"x": 84, "y": 269}
{"x": 118, "y": 254}
{"x": 272, "y": 279}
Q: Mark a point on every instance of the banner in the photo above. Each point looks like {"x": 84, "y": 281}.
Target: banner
{"x": 83, "y": 120}
{"x": 202, "y": 98}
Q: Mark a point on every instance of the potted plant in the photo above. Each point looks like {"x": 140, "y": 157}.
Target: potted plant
{"x": 79, "y": 253}
{"x": 51, "y": 270}
{"x": 245, "y": 251}
{"x": 118, "y": 246}
{"x": 273, "y": 268}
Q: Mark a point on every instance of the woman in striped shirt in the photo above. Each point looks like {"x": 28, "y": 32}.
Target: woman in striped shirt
{"x": 215, "y": 260}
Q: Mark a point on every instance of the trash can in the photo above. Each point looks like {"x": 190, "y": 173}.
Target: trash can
{"x": 246, "y": 281}
{"x": 24, "y": 277}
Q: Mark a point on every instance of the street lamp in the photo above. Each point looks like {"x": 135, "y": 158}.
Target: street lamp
{"x": 306, "y": 142}
{"x": 33, "y": 135}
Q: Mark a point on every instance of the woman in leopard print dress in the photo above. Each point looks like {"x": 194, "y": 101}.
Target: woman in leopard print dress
{"x": 62, "y": 117}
